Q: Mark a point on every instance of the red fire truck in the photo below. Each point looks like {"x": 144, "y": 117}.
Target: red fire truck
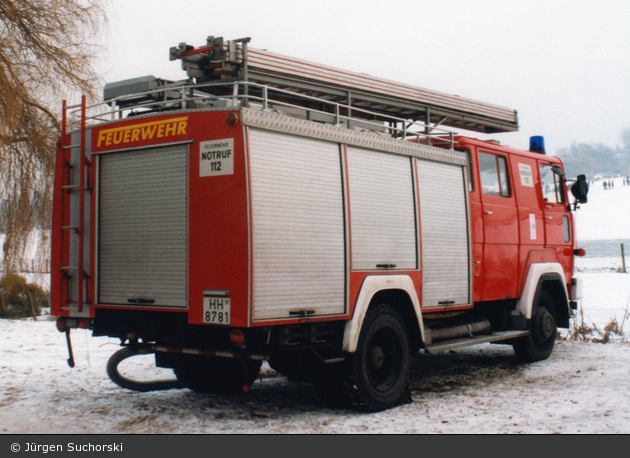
{"x": 268, "y": 208}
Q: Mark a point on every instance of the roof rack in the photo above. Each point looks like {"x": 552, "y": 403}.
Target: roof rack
{"x": 223, "y": 75}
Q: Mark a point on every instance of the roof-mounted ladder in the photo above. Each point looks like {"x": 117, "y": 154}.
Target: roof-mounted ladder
{"x": 220, "y": 61}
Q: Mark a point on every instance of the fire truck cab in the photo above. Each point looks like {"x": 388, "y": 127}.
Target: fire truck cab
{"x": 272, "y": 209}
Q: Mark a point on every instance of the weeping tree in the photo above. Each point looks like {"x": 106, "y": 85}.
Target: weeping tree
{"x": 47, "y": 53}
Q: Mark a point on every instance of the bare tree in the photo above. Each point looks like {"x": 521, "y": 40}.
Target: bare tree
{"x": 45, "y": 55}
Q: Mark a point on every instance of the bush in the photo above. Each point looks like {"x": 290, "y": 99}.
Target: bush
{"x": 21, "y": 299}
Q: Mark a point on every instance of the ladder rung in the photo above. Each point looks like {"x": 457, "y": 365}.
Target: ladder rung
{"x": 75, "y": 309}
{"x": 71, "y": 146}
{"x": 70, "y": 227}
{"x": 75, "y": 187}
{"x": 85, "y": 274}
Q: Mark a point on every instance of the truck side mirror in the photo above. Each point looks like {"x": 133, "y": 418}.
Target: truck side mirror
{"x": 557, "y": 170}
{"x": 579, "y": 189}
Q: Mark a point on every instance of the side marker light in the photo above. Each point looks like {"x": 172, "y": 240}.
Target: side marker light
{"x": 231, "y": 119}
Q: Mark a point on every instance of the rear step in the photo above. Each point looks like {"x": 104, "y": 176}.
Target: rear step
{"x": 468, "y": 341}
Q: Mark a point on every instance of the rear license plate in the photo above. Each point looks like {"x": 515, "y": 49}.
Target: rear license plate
{"x": 216, "y": 310}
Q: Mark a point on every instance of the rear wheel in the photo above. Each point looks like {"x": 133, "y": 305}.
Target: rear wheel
{"x": 377, "y": 373}
{"x": 210, "y": 374}
{"x": 538, "y": 345}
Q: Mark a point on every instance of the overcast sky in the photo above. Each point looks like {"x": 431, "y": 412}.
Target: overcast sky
{"x": 564, "y": 65}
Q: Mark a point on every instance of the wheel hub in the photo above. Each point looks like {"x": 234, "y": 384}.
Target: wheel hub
{"x": 376, "y": 358}
{"x": 546, "y": 324}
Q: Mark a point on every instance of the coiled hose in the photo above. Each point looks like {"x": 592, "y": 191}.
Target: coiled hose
{"x": 124, "y": 382}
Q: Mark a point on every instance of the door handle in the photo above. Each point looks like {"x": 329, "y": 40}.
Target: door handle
{"x": 487, "y": 213}
{"x": 548, "y": 217}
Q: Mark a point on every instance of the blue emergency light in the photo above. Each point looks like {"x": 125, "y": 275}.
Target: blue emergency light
{"x": 537, "y": 144}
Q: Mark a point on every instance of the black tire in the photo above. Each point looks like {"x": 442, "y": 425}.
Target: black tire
{"x": 209, "y": 374}
{"x": 538, "y": 345}
{"x": 378, "y": 371}
{"x": 331, "y": 385}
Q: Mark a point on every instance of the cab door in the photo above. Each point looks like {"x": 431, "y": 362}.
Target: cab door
{"x": 555, "y": 214}
{"x": 500, "y": 223}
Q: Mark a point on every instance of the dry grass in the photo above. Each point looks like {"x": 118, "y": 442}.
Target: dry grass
{"x": 583, "y": 331}
{"x": 21, "y": 299}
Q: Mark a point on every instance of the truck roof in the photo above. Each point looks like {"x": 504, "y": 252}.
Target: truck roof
{"x": 461, "y": 141}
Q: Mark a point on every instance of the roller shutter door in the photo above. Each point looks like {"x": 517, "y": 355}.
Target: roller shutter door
{"x": 382, "y": 208}
{"x": 445, "y": 242}
{"x": 143, "y": 227}
{"x": 299, "y": 258}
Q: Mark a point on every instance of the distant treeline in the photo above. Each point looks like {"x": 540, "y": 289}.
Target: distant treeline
{"x": 597, "y": 159}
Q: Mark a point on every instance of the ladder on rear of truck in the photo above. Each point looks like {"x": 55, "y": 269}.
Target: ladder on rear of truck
{"x": 76, "y": 189}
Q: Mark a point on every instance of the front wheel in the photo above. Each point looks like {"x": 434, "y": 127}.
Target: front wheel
{"x": 538, "y": 345}
{"x": 378, "y": 370}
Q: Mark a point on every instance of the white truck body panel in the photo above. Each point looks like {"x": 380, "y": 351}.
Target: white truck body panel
{"x": 327, "y": 201}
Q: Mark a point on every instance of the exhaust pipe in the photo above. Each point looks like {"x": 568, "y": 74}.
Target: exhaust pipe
{"x": 463, "y": 330}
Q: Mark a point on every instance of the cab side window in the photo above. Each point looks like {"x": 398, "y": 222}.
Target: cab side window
{"x": 551, "y": 185}
{"x": 494, "y": 175}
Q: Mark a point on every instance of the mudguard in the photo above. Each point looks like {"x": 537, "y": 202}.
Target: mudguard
{"x": 536, "y": 275}
{"x": 372, "y": 285}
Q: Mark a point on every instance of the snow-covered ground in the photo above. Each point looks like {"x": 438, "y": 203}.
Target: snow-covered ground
{"x": 584, "y": 387}
{"x": 603, "y": 224}
{"x": 606, "y": 216}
